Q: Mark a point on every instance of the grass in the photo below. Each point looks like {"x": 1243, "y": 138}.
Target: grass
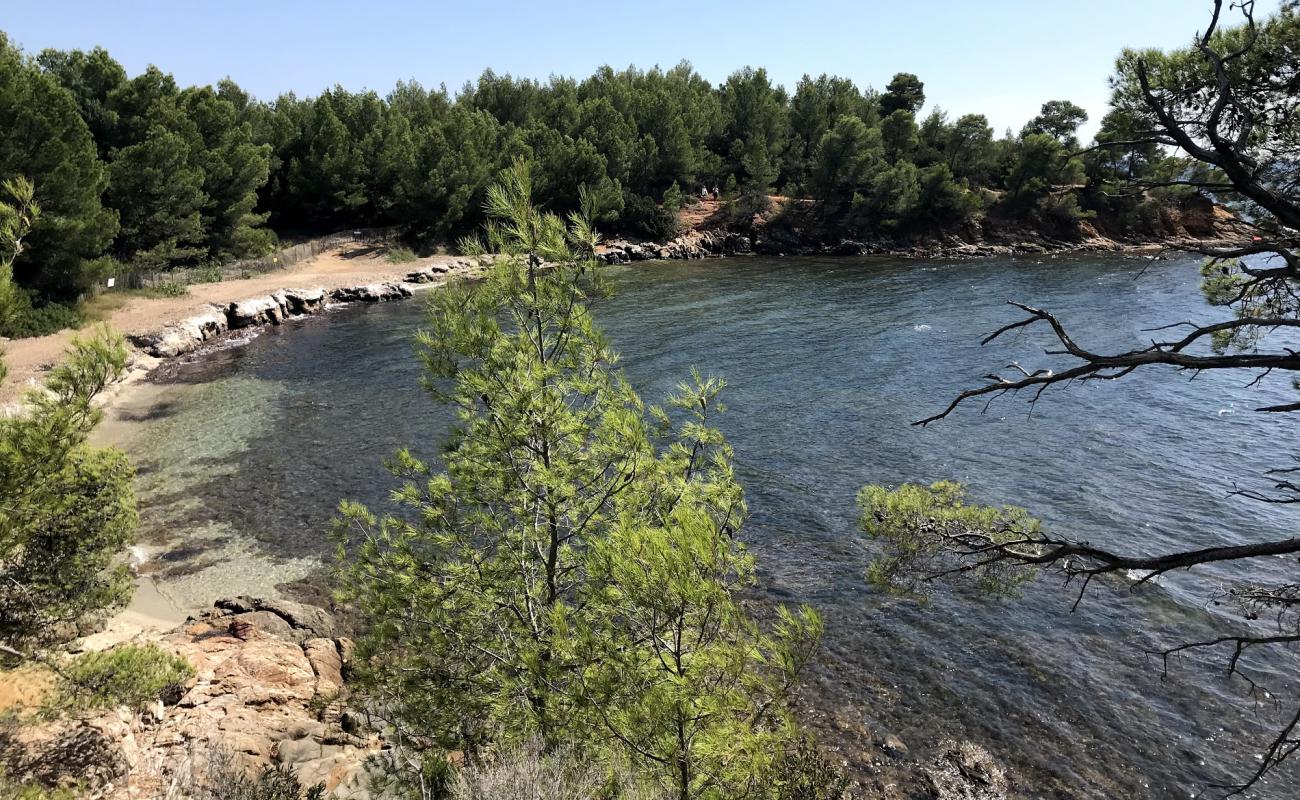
{"x": 400, "y": 255}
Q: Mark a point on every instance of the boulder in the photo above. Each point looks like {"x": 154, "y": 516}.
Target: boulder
{"x": 427, "y": 274}
{"x": 965, "y": 771}
{"x": 184, "y": 336}
{"x": 255, "y": 311}
{"x": 305, "y": 301}
{"x": 371, "y": 293}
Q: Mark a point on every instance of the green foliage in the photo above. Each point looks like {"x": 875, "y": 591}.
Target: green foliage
{"x": 674, "y": 199}
{"x": 919, "y": 527}
{"x": 11, "y": 789}
{"x": 127, "y": 675}
{"x": 196, "y": 174}
{"x": 45, "y": 140}
{"x": 26, "y": 319}
{"x": 649, "y": 219}
{"x": 1059, "y": 119}
{"x": 18, "y": 214}
{"x": 905, "y": 92}
{"x": 68, "y": 509}
{"x": 400, "y": 255}
{"x": 571, "y": 576}
{"x": 804, "y": 773}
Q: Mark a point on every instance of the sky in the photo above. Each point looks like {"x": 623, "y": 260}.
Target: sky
{"x": 1001, "y": 58}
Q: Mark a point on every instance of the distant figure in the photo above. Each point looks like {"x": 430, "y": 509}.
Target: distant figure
{"x": 704, "y": 193}
{"x": 716, "y": 193}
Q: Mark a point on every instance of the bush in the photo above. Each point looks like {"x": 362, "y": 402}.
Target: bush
{"x": 126, "y": 675}
{"x": 210, "y": 273}
{"x": 647, "y": 218}
{"x": 27, "y": 320}
{"x": 400, "y": 255}
{"x": 526, "y": 774}
{"x": 172, "y": 287}
{"x": 804, "y": 773}
{"x": 13, "y": 790}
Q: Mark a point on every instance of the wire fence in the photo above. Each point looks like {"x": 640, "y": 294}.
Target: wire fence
{"x": 248, "y": 267}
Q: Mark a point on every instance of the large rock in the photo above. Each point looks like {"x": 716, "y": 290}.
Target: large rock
{"x": 305, "y": 301}
{"x": 255, "y": 311}
{"x": 184, "y": 336}
{"x": 965, "y": 771}
{"x": 305, "y": 622}
{"x": 427, "y": 274}
{"x": 371, "y": 293}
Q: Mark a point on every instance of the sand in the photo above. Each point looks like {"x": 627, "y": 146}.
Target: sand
{"x": 350, "y": 265}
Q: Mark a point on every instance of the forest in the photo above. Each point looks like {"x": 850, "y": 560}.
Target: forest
{"x": 137, "y": 173}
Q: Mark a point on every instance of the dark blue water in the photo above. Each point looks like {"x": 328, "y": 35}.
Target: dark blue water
{"x": 828, "y": 362}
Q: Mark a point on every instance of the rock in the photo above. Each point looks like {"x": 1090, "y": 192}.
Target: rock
{"x": 183, "y": 336}
{"x": 965, "y": 771}
{"x": 254, "y": 311}
{"x": 426, "y": 274}
{"x": 894, "y": 746}
{"x": 273, "y": 671}
{"x": 304, "y": 301}
{"x": 371, "y": 293}
{"x": 66, "y": 755}
{"x": 323, "y": 655}
{"x": 249, "y": 624}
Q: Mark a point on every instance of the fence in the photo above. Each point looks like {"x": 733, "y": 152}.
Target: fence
{"x": 248, "y": 267}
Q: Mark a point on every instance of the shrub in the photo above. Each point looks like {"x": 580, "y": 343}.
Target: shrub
{"x": 26, "y": 320}
{"x": 210, "y": 273}
{"x": 526, "y": 773}
{"x": 400, "y": 255}
{"x": 646, "y": 217}
{"x": 11, "y": 789}
{"x": 804, "y": 773}
{"x": 126, "y": 675}
{"x": 172, "y": 287}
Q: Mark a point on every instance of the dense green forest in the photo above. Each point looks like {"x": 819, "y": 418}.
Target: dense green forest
{"x": 139, "y": 173}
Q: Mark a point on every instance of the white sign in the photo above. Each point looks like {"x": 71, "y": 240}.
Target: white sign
{"x": 111, "y": 281}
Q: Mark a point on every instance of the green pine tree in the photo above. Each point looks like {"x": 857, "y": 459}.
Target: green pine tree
{"x": 525, "y": 591}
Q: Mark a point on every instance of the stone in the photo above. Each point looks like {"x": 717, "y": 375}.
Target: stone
{"x": 254, "y": 311}
{"x": 65, "y": 756}
{"x": 326, "y": 662}
{"x": 965, "y": 771}
{"x": 894, "y": 746}
{"x": 305, "y": 301}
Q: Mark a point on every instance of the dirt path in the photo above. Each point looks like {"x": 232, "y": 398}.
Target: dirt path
{"x": 352, "y": 265}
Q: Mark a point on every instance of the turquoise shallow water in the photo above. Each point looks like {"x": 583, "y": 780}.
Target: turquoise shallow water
{"x": 250, "y": 448}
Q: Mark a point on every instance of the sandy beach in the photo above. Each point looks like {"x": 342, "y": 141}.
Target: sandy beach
{"x": 351, "y": 265}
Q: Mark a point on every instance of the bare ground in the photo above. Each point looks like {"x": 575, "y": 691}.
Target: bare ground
{"x": 351, "y": 265}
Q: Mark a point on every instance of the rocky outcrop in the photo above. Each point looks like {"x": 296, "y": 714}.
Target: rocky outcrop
{"x": 268, "y": 690}
{"x": 185, "y": 335}
{"x": 694, "y": 244}
{"x": 435, "y": 272}
{"x": 371, "y": 293}
{"x": 272, "y": 309}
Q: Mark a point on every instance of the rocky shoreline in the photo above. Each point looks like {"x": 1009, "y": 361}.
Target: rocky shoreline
{"x": 699, "y": 244}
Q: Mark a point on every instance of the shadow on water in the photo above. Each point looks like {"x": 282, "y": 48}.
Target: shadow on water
{"x": 829, "y": 361}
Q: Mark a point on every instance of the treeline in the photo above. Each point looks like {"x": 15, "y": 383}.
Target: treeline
{"x": 140, "y": 173}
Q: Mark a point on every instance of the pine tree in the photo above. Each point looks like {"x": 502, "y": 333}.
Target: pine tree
{"x": 525, "y": 591}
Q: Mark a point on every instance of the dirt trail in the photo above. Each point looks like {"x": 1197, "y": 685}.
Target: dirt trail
{"x": 351, "y": 265}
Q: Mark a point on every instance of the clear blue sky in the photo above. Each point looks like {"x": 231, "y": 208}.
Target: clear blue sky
{"x": 1002, "y": 58}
